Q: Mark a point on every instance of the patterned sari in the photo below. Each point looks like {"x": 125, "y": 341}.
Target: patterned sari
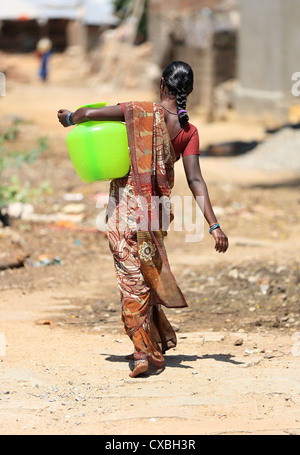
{"x": 138, "y": 214}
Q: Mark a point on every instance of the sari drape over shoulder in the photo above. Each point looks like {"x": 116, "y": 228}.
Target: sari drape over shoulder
{"x": 138, "y": 214}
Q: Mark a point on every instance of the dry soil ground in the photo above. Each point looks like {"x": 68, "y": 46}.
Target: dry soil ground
{"x": 235, "y": 369}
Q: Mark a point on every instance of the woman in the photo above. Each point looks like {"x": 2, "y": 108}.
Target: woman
{"x": 136, "y": 224}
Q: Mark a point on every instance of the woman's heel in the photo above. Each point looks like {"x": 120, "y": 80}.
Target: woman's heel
{"x": 140, "y": 366}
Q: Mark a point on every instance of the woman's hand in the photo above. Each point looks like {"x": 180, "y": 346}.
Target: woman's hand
{"x": 221, "y": 240}
{"x": 62, "y": 117}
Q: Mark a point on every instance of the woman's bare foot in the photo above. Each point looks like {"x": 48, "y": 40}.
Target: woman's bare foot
{"x": 141, "y": 366}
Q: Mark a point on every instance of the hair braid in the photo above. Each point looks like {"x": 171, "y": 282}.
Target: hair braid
{"x": 181, "y": 105}
{"x": 179, "y": 79}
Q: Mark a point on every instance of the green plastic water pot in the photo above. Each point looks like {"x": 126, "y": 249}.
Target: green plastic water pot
{"x": 99, "y": 150}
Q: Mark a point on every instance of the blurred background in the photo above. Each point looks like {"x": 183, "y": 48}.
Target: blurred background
{"x": 245, "y": 56}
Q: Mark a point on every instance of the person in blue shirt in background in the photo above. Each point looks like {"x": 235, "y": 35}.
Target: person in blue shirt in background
{"x": 44, "y": 47}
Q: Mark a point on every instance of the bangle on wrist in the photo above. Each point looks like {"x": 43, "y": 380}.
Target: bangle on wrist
{"x": 69, "y": 120}
{"x": 213, "y": 227}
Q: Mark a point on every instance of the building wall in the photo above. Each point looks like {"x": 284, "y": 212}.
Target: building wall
{"x": 19, "y": 36}
{"x": 183, "y": 30}
{"x": 292, "y": 40}
{"x": 22, "y": 36}
{"x": 269, "y": 54}
{"x": 166, "y": 24}
{"x": 261, "y": 42}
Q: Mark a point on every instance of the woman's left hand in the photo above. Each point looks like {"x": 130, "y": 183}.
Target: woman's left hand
{"x": 62, "y": 117}
{"x": 221, "y": 240}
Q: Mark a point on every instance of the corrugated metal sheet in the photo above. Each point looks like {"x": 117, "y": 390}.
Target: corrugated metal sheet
{"x": 100, "y": 12}
{"x": 54, "y": 9}
{"x": 18, "y": 10}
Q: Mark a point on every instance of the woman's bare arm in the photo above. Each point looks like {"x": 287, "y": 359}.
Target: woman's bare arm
{"x": 198, "y": 188}
{"x": 84, "y": 114}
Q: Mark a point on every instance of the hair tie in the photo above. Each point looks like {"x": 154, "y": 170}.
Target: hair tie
{"x": 181, "y": 111}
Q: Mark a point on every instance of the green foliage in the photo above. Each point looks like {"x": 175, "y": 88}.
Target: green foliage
{"x": 143, "y": 26}
{"x": 123, "y": 8}
{"x": 14, "y": 190}
{"x": 9, "y": 135}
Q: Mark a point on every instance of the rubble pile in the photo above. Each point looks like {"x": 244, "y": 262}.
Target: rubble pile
{"x": 280, "y": 152}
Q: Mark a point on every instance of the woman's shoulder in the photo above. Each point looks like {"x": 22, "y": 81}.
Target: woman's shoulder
{"x": 186, "y": 133}
{"x": 190, "y": 130}
{"x": 189, "y": 127}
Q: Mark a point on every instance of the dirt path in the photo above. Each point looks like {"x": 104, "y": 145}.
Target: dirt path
{"x": 67, "y": 381}
{"x": 236, "y": 367}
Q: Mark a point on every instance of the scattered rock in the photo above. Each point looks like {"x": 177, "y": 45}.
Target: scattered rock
{"x": 268, "y": 155}
{"x": 13, "y": 260}
{"x": 233, "y": 273}
{"x": 45, "y": 322}
{"x": 14, "y": 237}
{"x": 74, "y": 208}
{"x": 238, "y": 342}
{"x": 73, "y": 197}
{"x": 20, "y": 210}
{"x": 250, "y": 351}
{"x": 269, "y": 356}
{"x": 45, "y": 260}
{"x": 111, "y": 308}
{"x": 267, "y": 321}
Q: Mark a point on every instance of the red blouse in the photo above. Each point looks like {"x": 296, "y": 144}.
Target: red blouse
{"x": 186, "y": 141}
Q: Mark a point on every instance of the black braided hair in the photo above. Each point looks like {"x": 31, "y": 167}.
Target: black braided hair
{"x": 179, "y": 79}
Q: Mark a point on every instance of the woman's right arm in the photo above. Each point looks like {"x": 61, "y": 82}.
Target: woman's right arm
{"x": 84, "y": 114}
{"x": 198, "y": 188}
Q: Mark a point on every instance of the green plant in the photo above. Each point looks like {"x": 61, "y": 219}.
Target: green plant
{"x": 14, "y": 190}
